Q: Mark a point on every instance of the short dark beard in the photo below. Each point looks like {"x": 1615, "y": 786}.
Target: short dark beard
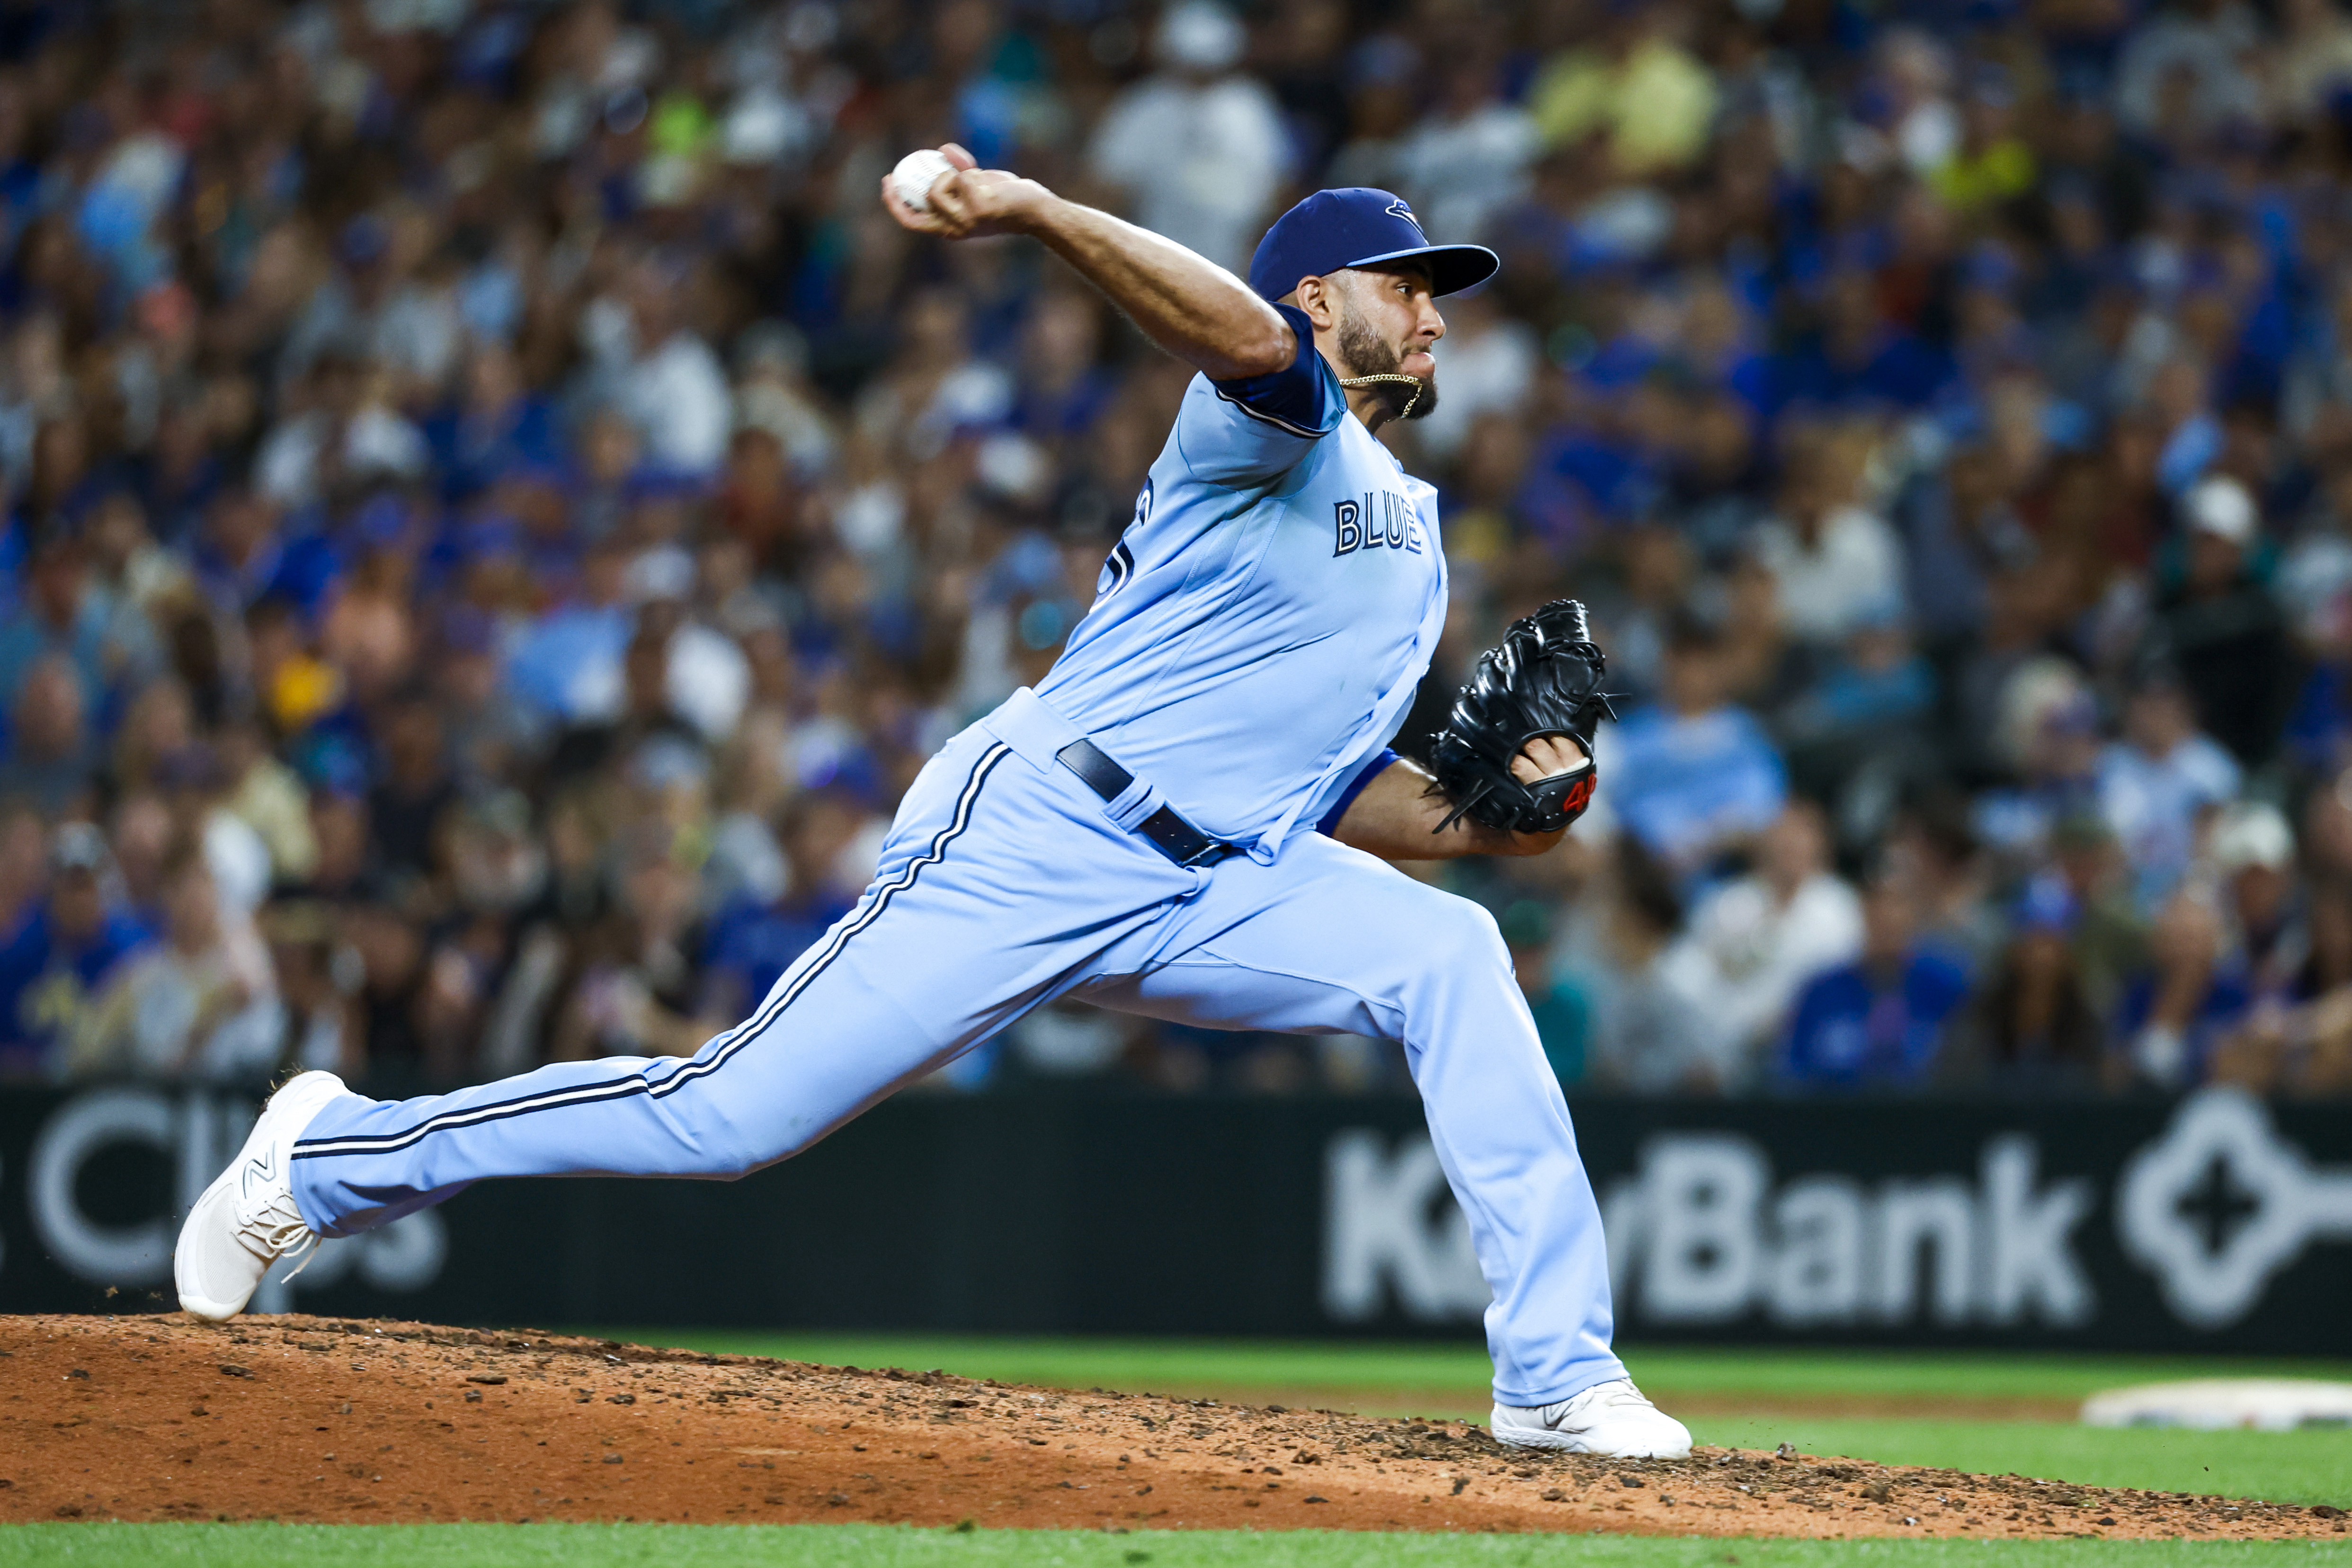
{"x": 1360, "y": 354}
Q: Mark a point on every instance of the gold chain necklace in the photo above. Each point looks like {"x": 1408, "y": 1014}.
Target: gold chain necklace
{"x": 1418, "y": 385}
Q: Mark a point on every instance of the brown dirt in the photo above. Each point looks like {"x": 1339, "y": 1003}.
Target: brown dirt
{"x": 1392, "y": 1399}
{"x": 308, "y": 1418}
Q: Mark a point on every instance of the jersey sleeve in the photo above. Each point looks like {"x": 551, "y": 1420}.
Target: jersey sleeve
{"x": 1242, "y": 431}
{"x": 1329, "y": 824}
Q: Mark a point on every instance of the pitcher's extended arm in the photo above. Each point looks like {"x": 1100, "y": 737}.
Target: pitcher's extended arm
{"x": 1396, "y": 815}
{"x": 1187, "y": 304}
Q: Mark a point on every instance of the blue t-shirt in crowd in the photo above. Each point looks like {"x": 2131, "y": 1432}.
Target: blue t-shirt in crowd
{"x": 750, "y": 945}
{"x": 2229, "y": 997}
{"x": 1679, "y": 783}
{"x": 2319, "y": 731}
{"x": 45, "y": 982}
{"x": 1853, "y": 1029}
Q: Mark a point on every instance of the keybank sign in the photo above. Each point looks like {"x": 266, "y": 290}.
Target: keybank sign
{"x": 2213, "y": 1223}
{"x": 1704, "y": 1234}
{"x": 1709, "y": 1230}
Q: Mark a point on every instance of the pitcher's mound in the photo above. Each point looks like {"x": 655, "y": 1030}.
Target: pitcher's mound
{"x": 310, "y": 1419}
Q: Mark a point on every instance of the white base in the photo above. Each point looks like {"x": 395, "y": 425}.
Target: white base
{"x": 2211, "y": 1404}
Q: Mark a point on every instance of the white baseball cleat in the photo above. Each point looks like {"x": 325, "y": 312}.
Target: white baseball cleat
{"x": 246, "y": 1220}
{"x": 1611, "y": 1418}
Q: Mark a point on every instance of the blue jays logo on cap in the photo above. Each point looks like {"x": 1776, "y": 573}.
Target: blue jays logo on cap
{"x": 1359, "y": 226}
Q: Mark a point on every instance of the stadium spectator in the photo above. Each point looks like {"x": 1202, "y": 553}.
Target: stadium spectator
{"x": 1879, "y": 1021}
{"x": 2158, "y": 783}
{"x": 1648, "y": 1030}
{"x": 1695, "y": 774}
{"x": 2031, "y": 1032}
{"x": 48, "y": 756}
{"x": 61, "y": 955}
{"x": 2222, "y": 629}
{"x": 1835, "y": 565}
{"x": 1754, "y": 941}
{"x": 1198, "y": 146}
{"x": 2186, "y": 1002}
{"x": 201, "y": 1004}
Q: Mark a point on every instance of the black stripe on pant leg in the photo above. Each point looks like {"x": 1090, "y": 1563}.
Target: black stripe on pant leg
{"x": 760, "y": 1023}
{"x": 732, "y": 1041}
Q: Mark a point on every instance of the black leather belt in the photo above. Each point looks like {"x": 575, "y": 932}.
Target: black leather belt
{"x": 1166, "y": 832}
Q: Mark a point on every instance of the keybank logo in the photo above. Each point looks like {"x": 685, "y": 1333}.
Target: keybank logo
{"x": 1704, "y": 1231}
{"x": 2219, "y": 1204}
{"x": 1704, "y": 1234}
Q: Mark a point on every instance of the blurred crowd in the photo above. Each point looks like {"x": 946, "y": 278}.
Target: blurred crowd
{"x": 497, "y": 513}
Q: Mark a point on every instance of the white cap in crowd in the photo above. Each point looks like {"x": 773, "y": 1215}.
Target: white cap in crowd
{"x": 2220, "y": 506}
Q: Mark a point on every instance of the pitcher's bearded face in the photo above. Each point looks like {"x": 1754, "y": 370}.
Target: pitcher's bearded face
{"x": 1386, "y": 329}
{"x": 1364, "y": 353}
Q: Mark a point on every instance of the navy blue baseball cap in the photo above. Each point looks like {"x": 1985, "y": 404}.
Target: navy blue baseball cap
{"x": 1359, "y": 226}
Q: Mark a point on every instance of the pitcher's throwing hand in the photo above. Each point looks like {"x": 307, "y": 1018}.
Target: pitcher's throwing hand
{"x": 970, "y": 201}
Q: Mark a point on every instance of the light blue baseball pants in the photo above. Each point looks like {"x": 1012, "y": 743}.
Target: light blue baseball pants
{"x": 1006, "y": 883}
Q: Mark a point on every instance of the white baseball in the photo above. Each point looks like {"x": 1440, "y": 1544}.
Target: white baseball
{"x": 914, "y": 175}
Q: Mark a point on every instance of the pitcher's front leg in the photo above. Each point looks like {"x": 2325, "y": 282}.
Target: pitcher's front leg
{"x": 1328, "y": 938}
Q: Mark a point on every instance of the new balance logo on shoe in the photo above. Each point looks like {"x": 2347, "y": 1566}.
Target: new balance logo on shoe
{"x": 263, "y": 1169}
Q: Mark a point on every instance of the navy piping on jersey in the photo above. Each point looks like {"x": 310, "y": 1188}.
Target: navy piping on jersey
{"x": 731, "y": 1043}
{"x": 1121, "y": 565}
{"x": 1267, "y": 418}
{"x": 1329, "y": 827}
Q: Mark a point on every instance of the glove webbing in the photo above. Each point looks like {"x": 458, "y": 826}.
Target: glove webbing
{"x": 1463, "y": 808}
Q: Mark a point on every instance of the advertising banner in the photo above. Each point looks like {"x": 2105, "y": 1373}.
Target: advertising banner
{"x": 2213, "y": 1223}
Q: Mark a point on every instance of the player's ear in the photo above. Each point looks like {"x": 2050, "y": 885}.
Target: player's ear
{"x": 1320, "y": 300}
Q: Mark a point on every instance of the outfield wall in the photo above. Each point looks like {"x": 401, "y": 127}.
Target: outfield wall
{"x": 2215, "y": 1223}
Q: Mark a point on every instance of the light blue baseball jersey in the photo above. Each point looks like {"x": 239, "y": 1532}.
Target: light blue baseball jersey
{"x": 1258, "y": 632}
{"x": 1259, "y": 629}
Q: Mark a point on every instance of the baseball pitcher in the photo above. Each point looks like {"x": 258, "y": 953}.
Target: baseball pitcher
{"x": 1186, "y": 819}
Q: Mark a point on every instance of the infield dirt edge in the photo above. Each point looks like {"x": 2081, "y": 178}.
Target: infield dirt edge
{"x": 332, "y": 1420}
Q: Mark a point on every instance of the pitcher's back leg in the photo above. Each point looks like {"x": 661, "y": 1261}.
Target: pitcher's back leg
{"x": 990, "y": 894}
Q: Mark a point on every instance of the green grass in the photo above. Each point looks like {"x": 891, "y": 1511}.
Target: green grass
{"x": 1968, "y": 1375}
{"x": 882, "y": 1546}
{"x": 2278, "y": 1467}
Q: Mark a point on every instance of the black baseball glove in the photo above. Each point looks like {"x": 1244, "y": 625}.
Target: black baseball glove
{"x": 1543, "y": 679}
